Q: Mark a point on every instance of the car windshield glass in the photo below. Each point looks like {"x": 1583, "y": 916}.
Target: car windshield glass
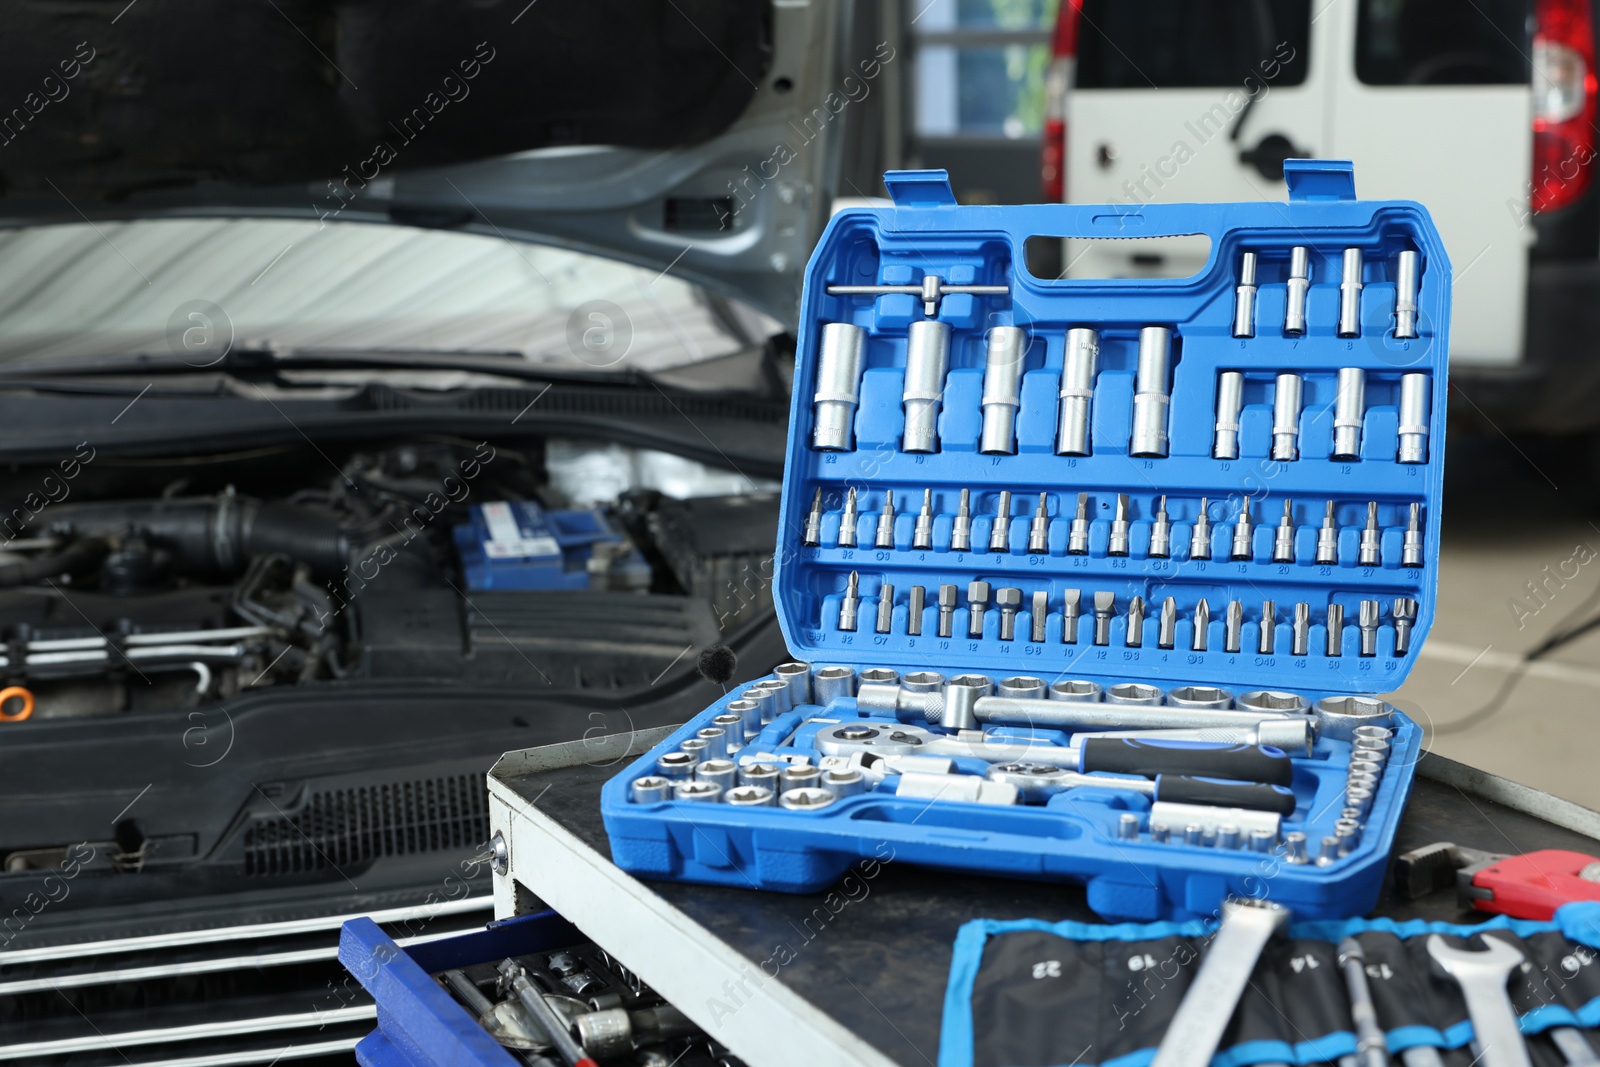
{"x": 73, "y": 292}
{"x": 1443, "y": 42}
{"x": 1191, "y": 44}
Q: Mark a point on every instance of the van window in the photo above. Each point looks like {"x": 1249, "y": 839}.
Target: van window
{"x": 1443, "y": 42}
{"x": 1193, "y": 44}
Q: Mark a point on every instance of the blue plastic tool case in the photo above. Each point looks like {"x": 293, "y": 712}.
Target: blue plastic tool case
{"x": 1074, "y": 837}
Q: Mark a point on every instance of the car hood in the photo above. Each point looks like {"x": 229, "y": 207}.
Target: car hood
{"x": 700, "y": 136}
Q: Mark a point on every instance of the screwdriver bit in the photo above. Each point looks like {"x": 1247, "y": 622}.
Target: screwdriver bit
{"x": 813, "y": 534}
{"x": 1161, "y": 532}
{"x": 1335, "y": 630}
{"x": 1078, "y": 535}
{"x": 1202, "y": 622}
{"x": 1242, "y": 532}
{"x": 1135, "y": 636}
{"x": 1411, "y": 550}
{"x": 1233, "y": 627}
{"x": 850, "y": 604}
{"x": 1167, "y": 631}
{"x": 1269, "y": 627}
{"x": 847, "y": 520}
{"x": 1371, "y": 538}
{"x": 922, "y": 532}
{"x": 1105, "y": 607}
{"x": 1301, "y": 634}
{"x": 1041, "y": 615}
{"x": 886, "y": 521}
{"x": 1009, "y": 601}
{"x": 1072, "y": 602}
{"x": 1368, "y": 624}
{"x": 977, "y": 602}
{"x": 885, "y": 607}
{"x": 961, "y": 531}
{"x": 1283, "y": 547}
{"x": 1039, "y": 529}
{"x": 1000, "y": 538}
{"x": 1119, "y": 528}
{"x": 1328, "y": 539}
{"x": 1405, "y": 616}
{"x": 947, "y": 609}
{"x": 914, "y": 611}
{"x": 1200, "y": 540}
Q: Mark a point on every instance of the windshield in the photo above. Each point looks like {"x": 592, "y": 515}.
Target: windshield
{"x": 197, "y": 288}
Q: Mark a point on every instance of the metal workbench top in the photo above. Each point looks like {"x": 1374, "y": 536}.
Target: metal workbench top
{"x": 857, "y": 974}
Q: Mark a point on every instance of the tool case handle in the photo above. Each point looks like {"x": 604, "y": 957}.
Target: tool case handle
{"x": 1245, "y": 763}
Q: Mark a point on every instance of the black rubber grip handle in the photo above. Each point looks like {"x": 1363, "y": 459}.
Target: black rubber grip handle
{"x": 1131, "y": 755}
{"x": 1219, "y": 793}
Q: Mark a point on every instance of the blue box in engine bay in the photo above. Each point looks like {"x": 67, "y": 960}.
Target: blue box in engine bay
{"x": 1024, "y": 518}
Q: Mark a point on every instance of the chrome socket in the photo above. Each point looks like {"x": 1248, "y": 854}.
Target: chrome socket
{"x": 1340, "y": 715}
{"x": 1416, "y": 408}
{"x": 839, "y": 363}
{"x": 915, "y": 603}
{"x": 798, "y": 776}
{"x": 1243, "y": 532}
{"x": 765, "y": 775}
{"x": 696, "y": 791}
{"x": 927, "y": 360}
{"x": 1021, "y": 687}
{"x": 922, "y": 682}
{"x": 1244, "y": 297}
{"x": 693, "y": 747}
{"x": 1287, "y": 399}
{"x": 1133, "y": 693}
{"x": 1405, "y": 296}
{"x": 1350, "y": 294}
{"x": 716, "y": 739}
{"x": 1076, "y": 689}
{"x": 1371, "y": 551}
{"x": 723, "y": 772}
{"x": 651, "y": 788}
{"x": 1002, "y": 389}
{"x": 885, "y": 537}
{"x": 805, "y": 799}
{"x": 1230, "y": 401}
{"x": 1199, "y": 696}
{"x": 1349, "y": 411}
{"x": 832, "y": 682}
{"x": 1152, "y": 393}
{"x": 1294, "y": 847}
{"x": 749, "y": 711}
{"x": 877, "y": 676}
{"x": 1128, "y": 826}
{"x": 1294, "y": 310}
{"x": 732, "y": 723}
{"x": 750, "y": 796}
{"x": 1273, "y": 702}
{"x": 1077, "y": 392}
{"x": 844, "y": 782}
{"x": 797, "y": 676}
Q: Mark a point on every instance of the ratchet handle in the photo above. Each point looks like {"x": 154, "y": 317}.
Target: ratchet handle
{"x": 1221, "y": 793}
{"x": 1203, "y": 759}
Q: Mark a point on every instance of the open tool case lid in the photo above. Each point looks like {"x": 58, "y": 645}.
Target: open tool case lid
{"x": 926, "y": 232}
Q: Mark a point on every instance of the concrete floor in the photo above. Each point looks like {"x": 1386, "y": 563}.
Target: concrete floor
{"x": 1515, "y": 514}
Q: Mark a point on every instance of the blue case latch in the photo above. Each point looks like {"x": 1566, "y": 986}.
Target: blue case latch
{"x": 919, "y": 188}
{"x": 1320, "y": 179}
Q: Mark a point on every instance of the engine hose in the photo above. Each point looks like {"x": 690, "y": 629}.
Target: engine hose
{"x": 219, "y": 534}
{"x": 81, "y": 556}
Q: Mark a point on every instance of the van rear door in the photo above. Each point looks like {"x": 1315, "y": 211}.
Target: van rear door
{"x": 1433, "y": 103}
{"x": 1168, "y": 94}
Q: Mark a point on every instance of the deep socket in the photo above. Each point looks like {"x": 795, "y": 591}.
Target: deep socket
{"x": 922, "y": 532}
{"x": 914, "y": 611}
{"x": 1077, "y": 392}
{"x": 1283, "y": 543}
{"x": 838, "y": 387}
{"x": 1349, "y": 410}
{"x": 1151, "y": 393}
{"x": 885, "y": 538}
{"x": 1416, "y": 408}
{"x": 1287, "y": 399}
{"x": 1294, "y": 309}
{"x": 1230, "y": 400}
{"x": 1041, "y": 615}
{"x": 1200, "y": 539}
{"x": 1039, "y": 528}
{"x": 1161, "y": 532}
{"x": 927, "y": 359}
{"x": 1000, "y": 536}
{"x": 1405, "y": 296}
{"x": 1118, "y": 545}
{"x": 1350, "y": 294}
{"x": 1244, "y": 297}
{"x": 885, "y": 607}
{"x": 1078, "y": 534}
{"x": 850, "y": 603}
{"x": 848, "y": 520}
{"x": 1002, "y": 389}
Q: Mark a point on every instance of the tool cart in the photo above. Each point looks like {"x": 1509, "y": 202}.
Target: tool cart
{"x": 1087, "y": 585}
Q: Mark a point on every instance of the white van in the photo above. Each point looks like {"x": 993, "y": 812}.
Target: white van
{"x": 1484, "y": 110}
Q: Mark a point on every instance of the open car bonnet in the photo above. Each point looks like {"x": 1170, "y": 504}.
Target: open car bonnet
{"x": 700, "y": 135}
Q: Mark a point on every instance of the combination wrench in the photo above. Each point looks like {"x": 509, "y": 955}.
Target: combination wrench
{"x": 1482, "y": 977}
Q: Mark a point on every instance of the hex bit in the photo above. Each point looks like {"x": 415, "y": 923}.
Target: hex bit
{"x": 1009, "y": 601}
{"x": 947, "y": 609}
{"x": 914, "y": 605}
{"x": 1000, "y": 536}
{"x": 977, "y": 603}
{"x": 1244, "y": 302}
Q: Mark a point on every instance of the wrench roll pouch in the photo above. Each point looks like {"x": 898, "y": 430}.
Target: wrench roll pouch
{"x": 1026, "y": 993}
{"x": 1164, "y": 490}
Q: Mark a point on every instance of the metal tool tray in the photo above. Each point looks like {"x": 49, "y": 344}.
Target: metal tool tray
{"x": 926, "y": 233}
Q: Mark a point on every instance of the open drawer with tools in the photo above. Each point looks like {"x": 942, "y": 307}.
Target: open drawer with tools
{"x": 1088, "y": 579}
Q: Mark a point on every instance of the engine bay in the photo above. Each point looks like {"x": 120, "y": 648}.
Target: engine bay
{"x": 161, "y": 585}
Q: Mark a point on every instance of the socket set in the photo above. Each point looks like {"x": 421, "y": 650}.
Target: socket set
{"x": 1207, "y": 509}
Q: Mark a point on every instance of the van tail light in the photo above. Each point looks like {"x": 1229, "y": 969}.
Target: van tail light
{"x": 1563, "y": 103}
{"x": 1058, "y": 81}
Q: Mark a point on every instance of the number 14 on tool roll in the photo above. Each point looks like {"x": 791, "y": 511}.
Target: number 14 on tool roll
{"x": 1088, "y": 581}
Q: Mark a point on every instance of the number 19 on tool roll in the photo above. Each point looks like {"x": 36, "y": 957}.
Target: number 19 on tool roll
{"x": 1090, "y": 581}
